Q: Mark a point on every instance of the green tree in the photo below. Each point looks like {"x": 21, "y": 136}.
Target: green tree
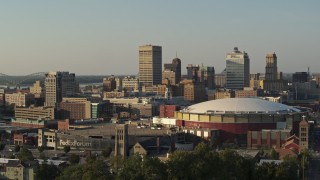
{"x": 266, "y": 171}
{"x": 74, "y": 159}
{"x": 42, "y": 156}
{"x": 46, "y": 171}
{"x": 17, "y": 148}
{"x": 41, "y": 149}
{"x": 274, "y": 154}
{"x": 106, "y": 152}
{"x": 132, "y": 168}
{"x": 96, "y": 169}
{"x": 2, "y": 146}
{"x": 25, "y": 154}
{"x": 66, "y": 149}
{"x": 72, "y": 172}
{"x": 288, "y": 169}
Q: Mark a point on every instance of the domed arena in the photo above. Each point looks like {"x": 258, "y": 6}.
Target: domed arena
{"x": 237, "y": 116}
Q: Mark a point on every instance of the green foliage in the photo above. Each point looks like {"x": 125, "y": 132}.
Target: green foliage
{"x": 25, "y": 154}
{"x": 93, "y": 169}
{"x": 66, "y": 149}
{"x": 11, "y": 156}
{"x": 2, "y": 146}
{"x": 106, "y": 152}
{"x": 74, "y": 159}
{"x": 42, "y": 156}
{"x": 136, "y": 168}
{"x": 46, "y": 171}
{"x": 41, "y": 149}
{"x": 17, "y": 148}
{"x": 274, "y": 155}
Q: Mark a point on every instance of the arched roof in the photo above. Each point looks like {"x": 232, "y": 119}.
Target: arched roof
{"x": 240, "y": 106}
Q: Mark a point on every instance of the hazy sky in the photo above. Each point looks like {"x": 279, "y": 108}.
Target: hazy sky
{"x": 90, "y": 37}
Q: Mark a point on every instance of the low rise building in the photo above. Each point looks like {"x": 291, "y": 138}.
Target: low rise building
{"x": 34, "y": 113}
{"x": 19, "y": 99}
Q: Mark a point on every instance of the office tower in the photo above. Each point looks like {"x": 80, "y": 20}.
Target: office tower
{"x": 300, "y": 77}
{"x": 192, "y": 72}
{"x": 150, "y": 65}
{"x": 59, "y": 85}
{"x": 207, "y": 76}
{"x": 172, "y": 71}
{"x": 121, "y": 140}
{"x": 238, "y": 69}
{"x": 271, "y": 67}
{"x": 273, "y": 79}
{"x": 109, "y": 84}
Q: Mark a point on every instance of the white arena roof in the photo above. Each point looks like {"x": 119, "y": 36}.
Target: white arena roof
{"x": 240, "y": 106}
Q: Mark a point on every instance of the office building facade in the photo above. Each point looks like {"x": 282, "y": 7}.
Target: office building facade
{"x": 150, "y": 65}
{"x": 238, "y": 69}
{"x": 59, "y": 85}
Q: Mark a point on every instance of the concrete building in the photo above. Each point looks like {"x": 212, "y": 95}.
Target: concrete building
{"x": 121, "y": 140}
{"x": 271, "y": 67}
{"x": 34, "y": 113}
{"x": 172, "y": 71}
{"x": 300, "y": 77}
{"x": 19, "y": 99}
{"x": 220, "y": 80}
{"x": 130, "y": 84}
{"x": 59, "y": 85}
{"x": 192, "y": 72}
{"x": 47, "y": 138}
{"x": 224, "y": 94}
{"x": 238, "y": 69}
{"x": 150, "y": 65}
{"x": 193, "y": 91}
{"x": 273, "y": 80}
{"x": 109, "y": 84}
{"x": 37, "y": 90}
{"x": 75, "y": 108}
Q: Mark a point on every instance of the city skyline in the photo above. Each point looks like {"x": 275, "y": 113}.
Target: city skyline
{"x": 95, "y": 38}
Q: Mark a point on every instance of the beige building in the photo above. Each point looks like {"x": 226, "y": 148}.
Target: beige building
{"x": 19, "y": 99}
{"x": 121, "y": 140}
{"x": 150, "y": 65}
{"x": 34, "y": 113}
{"x": 20, "y": 170}
{"x": 304, "y": 135}
{"x": 59, "y": 85}
{"x": 193, "y": 92}
{"x": 47, "y": 138}
{"x": 37, "y": 90}
{"x": 130, "y": 83}
{"x": 224, "y": 94}
{"x": 114, "y": 94}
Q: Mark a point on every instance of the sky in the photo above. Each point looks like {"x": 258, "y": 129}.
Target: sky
{"x": 102, "y": 37}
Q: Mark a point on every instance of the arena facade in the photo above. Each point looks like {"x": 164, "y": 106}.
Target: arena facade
{"x": 234, "y": 117}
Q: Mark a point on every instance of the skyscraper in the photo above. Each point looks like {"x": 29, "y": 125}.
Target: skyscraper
{"x": 238, "y": 69}
{"x": 150, "y": 65}
{"x": 273, "y": 80}
{"x": 271, "y": 67}
{"x": 172, "y": 71}
{"x": 59, "y": 85}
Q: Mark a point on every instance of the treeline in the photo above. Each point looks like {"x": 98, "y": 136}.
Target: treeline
{"x": 202, "y": 163}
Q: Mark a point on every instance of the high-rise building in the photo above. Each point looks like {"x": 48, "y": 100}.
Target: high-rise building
{"x": 273, "y": 81}
{"x": 150, "y": 65}
{"x": 207, "y": 76}
{"x": 59, "y": 85}
{"x": 109, "y": 84}
{"x": 172, "y": 71}
{"x": 271, "y": 67}
{"x": 192, "y": 72}
{"x": 238, "y": 69}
